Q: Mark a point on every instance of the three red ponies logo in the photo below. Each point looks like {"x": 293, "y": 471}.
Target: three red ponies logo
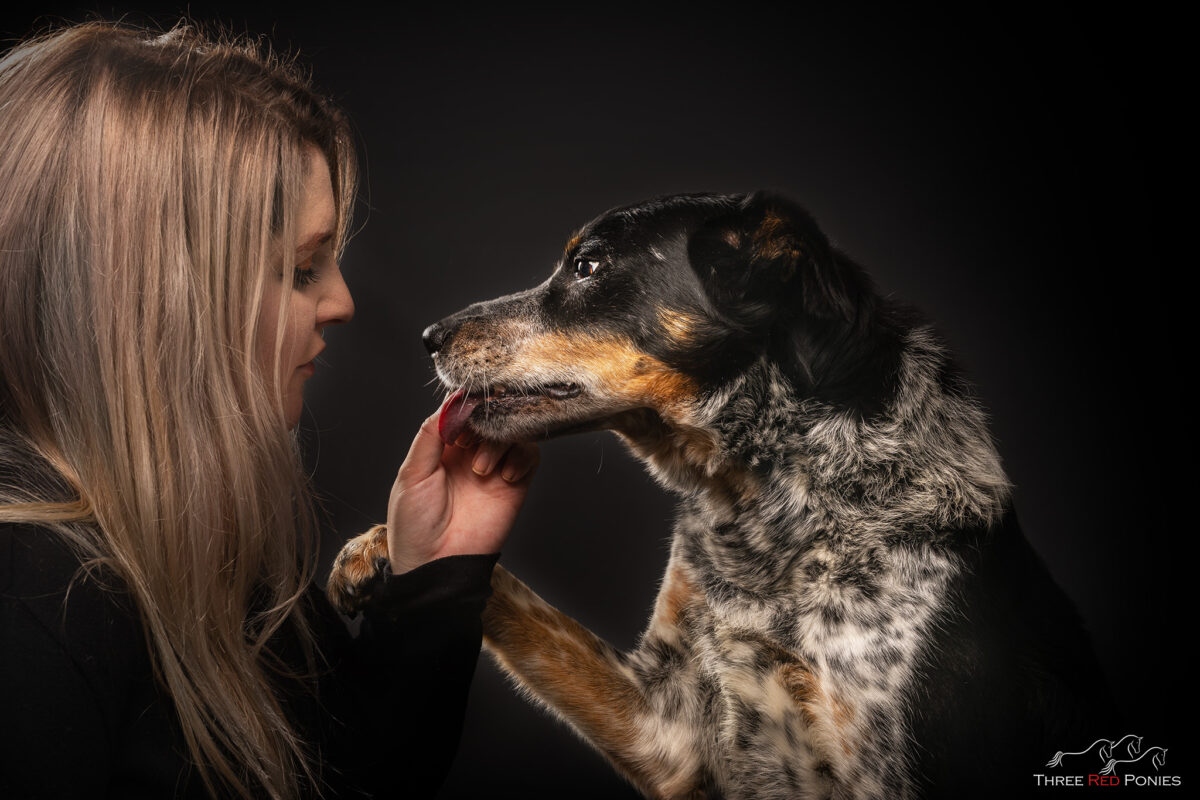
{"x": 1110, "y": 763}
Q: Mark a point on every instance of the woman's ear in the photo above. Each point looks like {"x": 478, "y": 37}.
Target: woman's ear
{"x": 766, "y": 259}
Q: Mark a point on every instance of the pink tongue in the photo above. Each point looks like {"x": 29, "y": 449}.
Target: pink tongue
{"x": 452, "y": 419}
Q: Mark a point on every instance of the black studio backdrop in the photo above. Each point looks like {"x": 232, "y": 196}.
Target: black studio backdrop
{"x": 991, "y": 169}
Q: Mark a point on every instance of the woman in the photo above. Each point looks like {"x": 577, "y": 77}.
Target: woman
{"x": 170, "y": 226}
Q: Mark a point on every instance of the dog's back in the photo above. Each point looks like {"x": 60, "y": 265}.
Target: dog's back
{"x": 1010, "y": 675}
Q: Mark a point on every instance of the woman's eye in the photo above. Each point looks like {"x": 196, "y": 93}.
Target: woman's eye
{"x": 304, "y": 277}
{"x": 585, "y": 268}
{"x": 304, "y": 274}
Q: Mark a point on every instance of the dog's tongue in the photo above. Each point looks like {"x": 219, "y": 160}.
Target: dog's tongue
{"x": 452, "y": 419}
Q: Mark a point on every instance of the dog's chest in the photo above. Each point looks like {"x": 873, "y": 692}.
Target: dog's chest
{"x": 812, "y": 682}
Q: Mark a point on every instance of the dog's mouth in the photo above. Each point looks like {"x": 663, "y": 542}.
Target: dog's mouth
{"x": 462, "y": 405}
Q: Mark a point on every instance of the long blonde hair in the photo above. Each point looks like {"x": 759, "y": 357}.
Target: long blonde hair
{"x": 148, "y": 180}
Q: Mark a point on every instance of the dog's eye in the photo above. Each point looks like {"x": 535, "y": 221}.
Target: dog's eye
{"x": 585, "y": 268}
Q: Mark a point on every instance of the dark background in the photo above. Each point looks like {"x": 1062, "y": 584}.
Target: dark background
{"x": 996, "y": 169}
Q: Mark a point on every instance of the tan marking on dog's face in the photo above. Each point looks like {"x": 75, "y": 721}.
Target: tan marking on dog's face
{"x": 572, "y": 243}
{"x": 610, "y": 368}
{"x": 618, "y": 382}
{"x": 678, "y": 326}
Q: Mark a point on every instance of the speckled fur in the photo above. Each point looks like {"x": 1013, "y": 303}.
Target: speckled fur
{"x": 804, "y": 576}
{"x": 815, "y": 546}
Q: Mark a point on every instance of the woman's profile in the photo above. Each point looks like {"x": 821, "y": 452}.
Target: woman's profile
{"x": 173, "y": 213}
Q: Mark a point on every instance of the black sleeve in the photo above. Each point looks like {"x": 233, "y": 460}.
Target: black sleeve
{"x": 64, "y": 671}
{"x": 394, "y": 697}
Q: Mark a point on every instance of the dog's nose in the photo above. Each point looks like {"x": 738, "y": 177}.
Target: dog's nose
{"x": 434, "y": 337}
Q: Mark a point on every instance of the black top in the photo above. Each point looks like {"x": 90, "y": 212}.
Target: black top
{"x": 81, "y": 714}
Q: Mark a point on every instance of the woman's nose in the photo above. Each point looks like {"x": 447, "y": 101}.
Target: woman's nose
{"x": 337, "y": 306}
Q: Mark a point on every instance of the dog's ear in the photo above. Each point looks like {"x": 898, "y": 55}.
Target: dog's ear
{"x": 766, "y": 258}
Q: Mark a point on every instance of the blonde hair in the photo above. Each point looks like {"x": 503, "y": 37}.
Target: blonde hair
{"x": 148, "y": 181}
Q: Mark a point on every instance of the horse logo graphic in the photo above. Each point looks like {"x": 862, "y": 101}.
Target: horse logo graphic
{"x": 1101, "y": 746}
{"x": 1128, "y": 745}
{"x": 1107, "y": 751}
{"x": 1110, "y": 762}
{"x": 1158, "y": 757}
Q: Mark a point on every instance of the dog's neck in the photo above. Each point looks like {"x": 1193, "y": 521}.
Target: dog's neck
{"x": 763, "y": 458}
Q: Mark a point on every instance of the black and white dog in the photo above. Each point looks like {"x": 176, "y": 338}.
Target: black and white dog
{"x": 850, "y": 609}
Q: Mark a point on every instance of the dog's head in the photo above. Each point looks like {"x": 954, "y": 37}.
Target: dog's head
{"x": 652, "y": 307}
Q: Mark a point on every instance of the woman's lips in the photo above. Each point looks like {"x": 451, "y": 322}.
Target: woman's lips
{"x": 310, "y": 366}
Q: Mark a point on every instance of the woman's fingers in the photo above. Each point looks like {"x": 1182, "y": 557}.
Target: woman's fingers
{"x": 487, "y": 456}
{"x": 520, "y": 462}
{"x": 425, "y": 454}
{"x": 467, "y": 439}
{"x": 515, "y": 461}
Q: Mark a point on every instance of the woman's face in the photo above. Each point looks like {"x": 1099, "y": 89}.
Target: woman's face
{"x": 320, "y": 296}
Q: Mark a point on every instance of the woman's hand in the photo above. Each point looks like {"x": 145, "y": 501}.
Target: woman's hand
{"x": 450, "y": 500}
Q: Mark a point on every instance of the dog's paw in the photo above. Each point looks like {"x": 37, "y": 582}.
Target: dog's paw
{"x": 357, "y": 570}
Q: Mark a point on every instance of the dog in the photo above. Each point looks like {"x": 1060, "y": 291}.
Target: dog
{"x": 850, "y": 609}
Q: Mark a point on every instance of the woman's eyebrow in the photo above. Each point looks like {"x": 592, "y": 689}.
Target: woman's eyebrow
{"x": 315, "y": 241}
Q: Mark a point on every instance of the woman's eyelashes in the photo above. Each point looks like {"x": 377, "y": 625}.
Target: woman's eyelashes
{"x": 304, "y": 274}
{"x": 308, "y": 271}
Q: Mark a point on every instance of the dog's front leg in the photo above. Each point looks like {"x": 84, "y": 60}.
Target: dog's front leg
{"x": 591, "y": 685}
